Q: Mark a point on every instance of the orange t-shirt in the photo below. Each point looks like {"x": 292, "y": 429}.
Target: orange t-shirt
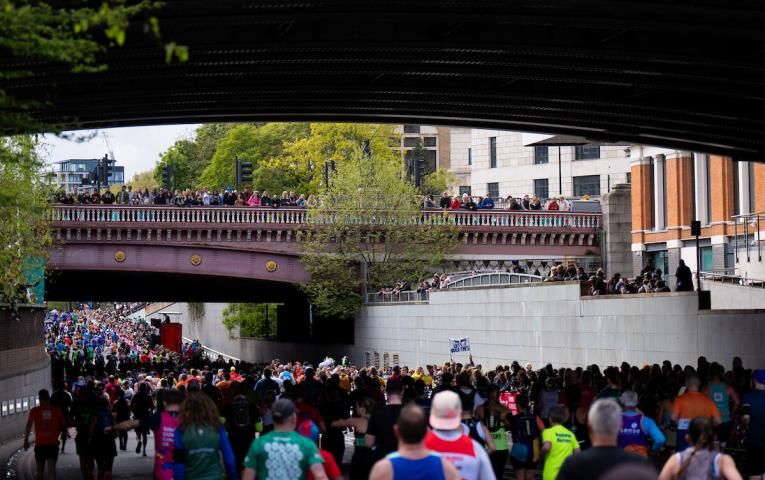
{"x": 49, "y": 422}
{"x": 694, "y": 404}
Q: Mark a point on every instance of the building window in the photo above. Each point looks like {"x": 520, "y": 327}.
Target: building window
{"x": 493, "y": 189}
{"x": 411, "y": 129}
{"x": 470, "y": 156}
{"x": 707, "y": 259}
{"x": 541, "y": 155}
{"x": 431, "y": 162}
{"x": 492, "y": 152}
{"x": 590, "y": 151}
{"x": 542, "y": 188}
{"x": 587, "y": 185}
{"x": 465, "y": 189}
{"x": 628, "y": 178}
{"x": 411, "y": 142}
{"x": 429, "y": 141}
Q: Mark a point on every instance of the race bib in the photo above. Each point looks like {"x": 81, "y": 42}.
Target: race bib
{"x": 683, "y": 423}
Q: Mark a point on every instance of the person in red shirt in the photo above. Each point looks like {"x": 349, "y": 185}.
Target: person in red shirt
{"x": 310, "y": 430}
{"x": 49, "y": 423}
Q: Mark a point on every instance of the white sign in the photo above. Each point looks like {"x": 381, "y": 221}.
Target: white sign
{"x": 457, "y": 345}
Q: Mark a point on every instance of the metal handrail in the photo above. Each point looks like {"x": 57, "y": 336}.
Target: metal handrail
{"x": 479, "y": 280}
{"x": 407, "y": 296}
{"x": 208, "y": 351}
{"x": 754, "y": 220}
{"x": 743, "y": 281}
{"x": 494, "y": 278}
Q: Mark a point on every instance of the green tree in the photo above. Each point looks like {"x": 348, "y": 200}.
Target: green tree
{"x": 442, "y": 180}
{"x": 251, "y": 143}
{"x": 302, "y": 165}
{"x": 370, "y": 217}
{"x": 258, "y": 320}
{"x": 143, "y": 180}
{"x": 179, "y": 156}
{"x": 72, "y": 36}
{"x": 24, "y": 198}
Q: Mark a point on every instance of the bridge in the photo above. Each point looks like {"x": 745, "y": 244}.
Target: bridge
{"x": 686, "y": 74}
{"x": 94, "y": 243}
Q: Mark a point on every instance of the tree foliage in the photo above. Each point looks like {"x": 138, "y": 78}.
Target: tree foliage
{"x": 252, "y": 319}
{"x": 251, "y": 143}
{"x": 370, "y": 216}
{"x": 143, "y": 180}
{"x": 442, "y": 180}
{"x": 72, "y": 36}
{"x": 304, "y": 159}
{"x": 23, "y": 214}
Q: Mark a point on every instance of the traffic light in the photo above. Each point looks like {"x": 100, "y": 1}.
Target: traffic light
{"x": 107, "y": 167}
{"x": 243, "y": 172}
{"x": 167, "y": 173}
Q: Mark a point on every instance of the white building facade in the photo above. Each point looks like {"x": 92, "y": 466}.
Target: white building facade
{"x": 502, "y": 163}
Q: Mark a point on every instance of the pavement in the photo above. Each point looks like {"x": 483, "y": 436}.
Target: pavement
{"x": 127, "y": 465}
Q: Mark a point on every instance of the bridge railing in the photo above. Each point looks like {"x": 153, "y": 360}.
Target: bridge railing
{"x": 486, "y": 279}
{"x": 732, "y": 279}
{"x": 260, "y": 216}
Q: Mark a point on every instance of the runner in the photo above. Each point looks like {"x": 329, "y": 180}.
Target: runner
{"x": 361, "y": 462}
{"x": 49, "y": 423}
{"x": 690, "y": 405}
{"x": 558, "y": 443}
{"x": 380, "y": 436}
{"x": 497, "y": 418}
{"x": 412, "y": 460}
{"x": 637, "y": 429}
{"x": 526, "y": 429}
{"x": 283, "y": 453}
{"x": 163, "y": 425}
{"x": 448, "y": 439}
{"x": 700, "y": 461}
{"x": 201, "y": 442}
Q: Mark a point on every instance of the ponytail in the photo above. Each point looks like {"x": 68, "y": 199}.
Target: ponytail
{"x": 703, "y": 437}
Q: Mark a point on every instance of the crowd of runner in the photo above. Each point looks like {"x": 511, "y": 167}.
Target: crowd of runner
{"x": 216, "y": 419}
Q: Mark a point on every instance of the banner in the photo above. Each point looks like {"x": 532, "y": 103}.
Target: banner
{"x": 459, "y": 345}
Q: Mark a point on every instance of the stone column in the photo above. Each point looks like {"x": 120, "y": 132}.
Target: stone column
{"x": 617, "y": 230}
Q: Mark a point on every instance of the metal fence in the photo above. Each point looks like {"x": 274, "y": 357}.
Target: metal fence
{"x": 730, "y": 279}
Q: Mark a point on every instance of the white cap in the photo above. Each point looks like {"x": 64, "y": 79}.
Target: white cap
{"x": 446, "y": 411}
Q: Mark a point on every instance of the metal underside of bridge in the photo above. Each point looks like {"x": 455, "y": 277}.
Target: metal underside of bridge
{"x": 688, "y": 74}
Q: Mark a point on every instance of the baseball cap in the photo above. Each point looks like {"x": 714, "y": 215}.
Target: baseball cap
{"x": 759, "y": 376}
{"x": 282, "y": 409}
{"x": 446, "y": 411}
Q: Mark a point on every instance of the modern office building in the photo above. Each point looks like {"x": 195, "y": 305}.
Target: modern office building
{"x": 670, "y": 188}
{"x": 77, "y": 173}
{"x": 506, "y": 163}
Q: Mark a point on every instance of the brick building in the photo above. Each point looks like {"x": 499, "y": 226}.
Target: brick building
{"x": 671, "y": 187}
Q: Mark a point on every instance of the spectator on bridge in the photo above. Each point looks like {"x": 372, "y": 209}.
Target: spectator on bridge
{"x": 604, "y": 422}
{"x": 512, "y": 204}
{"x": 312, "y": 201}
{"x": 526, "y": 203}
{"x": 487, "y": 202}
{"x": 684, "y": 278}
{"x": 123, "y": 197}
{"x": 553, "y": 205}
{"x": 254, "y": 200}
{"x": 445, "y": 201}
{"x": 535, "y": 204}
{"x": 301, "y": 201}
{"x": 468, "y": 203}
{"x": 429, "y": 202}
{"x": 455, "y": 203}
{"x": 564, "y": 204}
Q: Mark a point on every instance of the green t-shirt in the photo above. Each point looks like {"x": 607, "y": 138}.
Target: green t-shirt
{"x": 282, "y": 455}
{"x": 563, "y": 445}
{"x": 202, "y": 445}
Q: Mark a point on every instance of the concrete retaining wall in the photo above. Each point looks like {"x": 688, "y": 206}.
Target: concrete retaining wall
{"x": 24, "y": 368}
{"x": 734, "y": 296}
{"x": 209, "y": 330}
{"x": 543, "y": 323}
